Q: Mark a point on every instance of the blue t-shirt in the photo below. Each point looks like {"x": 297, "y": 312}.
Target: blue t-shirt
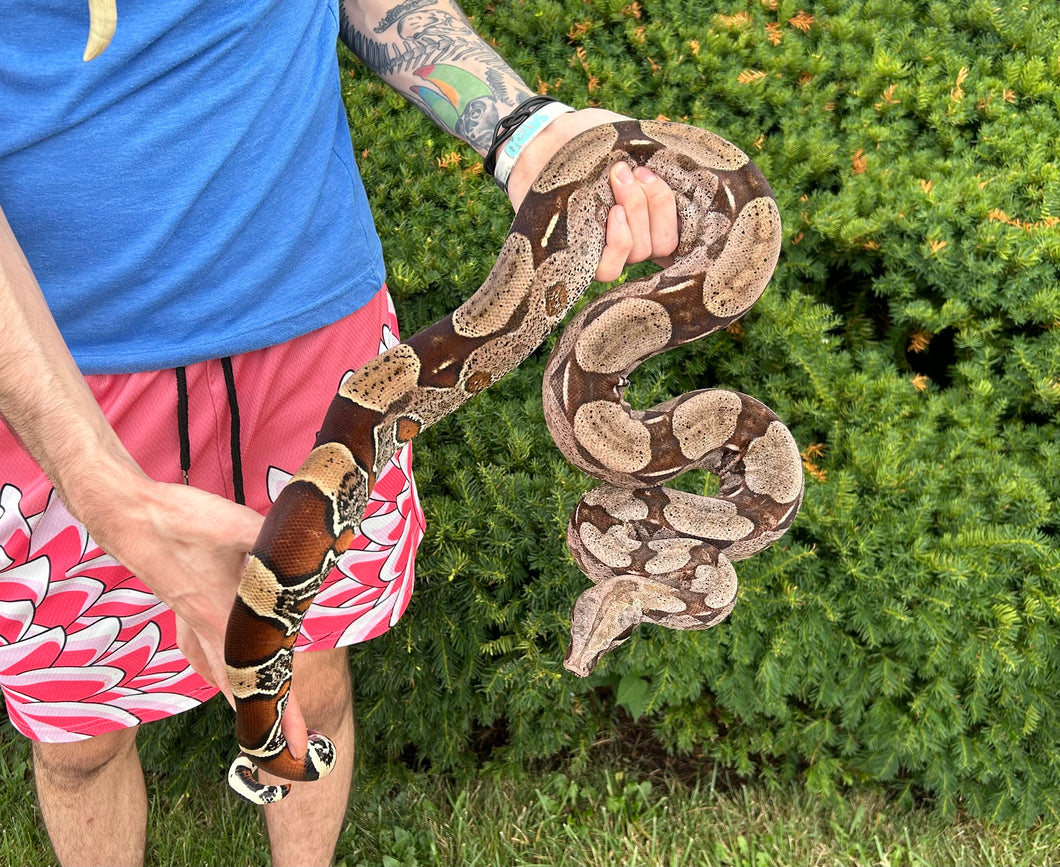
{"x": 192, "y": 192}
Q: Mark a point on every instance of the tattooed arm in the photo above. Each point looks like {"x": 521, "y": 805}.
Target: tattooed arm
{"x": 428, "y": 51}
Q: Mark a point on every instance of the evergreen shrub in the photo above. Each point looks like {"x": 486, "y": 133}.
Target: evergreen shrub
{"x": 907, "y": 630}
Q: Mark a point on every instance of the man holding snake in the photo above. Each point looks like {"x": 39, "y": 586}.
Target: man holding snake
{"x": 187, "y": 269}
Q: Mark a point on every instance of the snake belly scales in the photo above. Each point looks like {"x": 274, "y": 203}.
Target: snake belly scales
{"x": 654, "y": 554}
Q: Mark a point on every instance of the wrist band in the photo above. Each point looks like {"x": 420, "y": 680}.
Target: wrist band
{"x": 516, "y": 131}
{"x": 506, "y": 126}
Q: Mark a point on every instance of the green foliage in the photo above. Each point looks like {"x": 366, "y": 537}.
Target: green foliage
{"x": 906, "y": 630}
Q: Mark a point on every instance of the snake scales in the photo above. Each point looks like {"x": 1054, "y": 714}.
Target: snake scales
{"x": 655, "y": 554}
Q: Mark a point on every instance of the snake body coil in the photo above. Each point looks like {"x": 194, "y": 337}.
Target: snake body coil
{"x": 654, "y": 554}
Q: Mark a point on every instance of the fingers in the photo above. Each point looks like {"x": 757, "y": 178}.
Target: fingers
{"x": 631, "y": 192}
{"x": 642, "y": 225}
{"x": 206, "y": 659}
{"x": 662, "y": 214}
{"x": 616, "y": 250}
{"x": 188, "y": 644}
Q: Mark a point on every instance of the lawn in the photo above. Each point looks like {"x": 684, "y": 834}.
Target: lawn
{"x": 630, "y": 804}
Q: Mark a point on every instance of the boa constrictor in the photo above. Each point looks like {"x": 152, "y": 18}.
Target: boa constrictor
{"x": 655, "y": 554}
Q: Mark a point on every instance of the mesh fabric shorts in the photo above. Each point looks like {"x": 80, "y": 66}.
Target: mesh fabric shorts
{"x": 85, "y": 648}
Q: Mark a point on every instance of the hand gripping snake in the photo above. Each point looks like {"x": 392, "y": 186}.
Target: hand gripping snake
{"x": 655, "y": 554}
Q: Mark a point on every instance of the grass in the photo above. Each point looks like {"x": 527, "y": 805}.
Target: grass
{"x": 617, "y": 810}
{"x": 607, "y": 816}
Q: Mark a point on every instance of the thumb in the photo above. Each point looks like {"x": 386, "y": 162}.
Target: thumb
{"x": 294, "y": 728}
{"x": 247, "y": 527}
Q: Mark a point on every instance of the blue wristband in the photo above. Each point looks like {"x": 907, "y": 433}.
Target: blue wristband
{"x": 526, "y": 133}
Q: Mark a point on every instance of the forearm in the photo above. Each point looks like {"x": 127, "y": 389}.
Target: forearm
{"x": 43, "y": 397}
{"x": 186, "y": 545}
{"x": 428, "y": 51}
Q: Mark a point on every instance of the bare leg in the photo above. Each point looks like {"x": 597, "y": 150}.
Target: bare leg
{"x": 93, "y": 799}
{"x": 304, "y": 826}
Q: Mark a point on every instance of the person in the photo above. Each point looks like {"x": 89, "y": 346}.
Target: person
{"x": 188, "y": 267}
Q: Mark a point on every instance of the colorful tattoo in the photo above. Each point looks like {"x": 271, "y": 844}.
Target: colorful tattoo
{"x": 428, "y": 51}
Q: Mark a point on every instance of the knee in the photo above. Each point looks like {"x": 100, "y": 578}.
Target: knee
{"x": 323, "y": 686}
{"x": 86, "y": 759}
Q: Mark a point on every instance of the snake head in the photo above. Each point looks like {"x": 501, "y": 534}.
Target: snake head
{"x": 604, "y": 616}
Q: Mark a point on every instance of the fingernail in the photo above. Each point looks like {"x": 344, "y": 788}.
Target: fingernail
{"x": 622, "y": 173}
{"x": 645, "y": 175}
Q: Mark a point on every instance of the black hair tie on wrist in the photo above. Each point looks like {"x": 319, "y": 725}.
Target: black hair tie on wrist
{"x": 507, "y": 126}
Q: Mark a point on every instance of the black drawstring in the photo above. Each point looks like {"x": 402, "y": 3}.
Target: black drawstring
{"x": 185, "y": 437}
{"x": 182, "y": 422}
{"x": 233, "y": 409}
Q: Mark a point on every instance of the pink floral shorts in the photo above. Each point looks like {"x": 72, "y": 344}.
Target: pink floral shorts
{"x": 85, "y": 648}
